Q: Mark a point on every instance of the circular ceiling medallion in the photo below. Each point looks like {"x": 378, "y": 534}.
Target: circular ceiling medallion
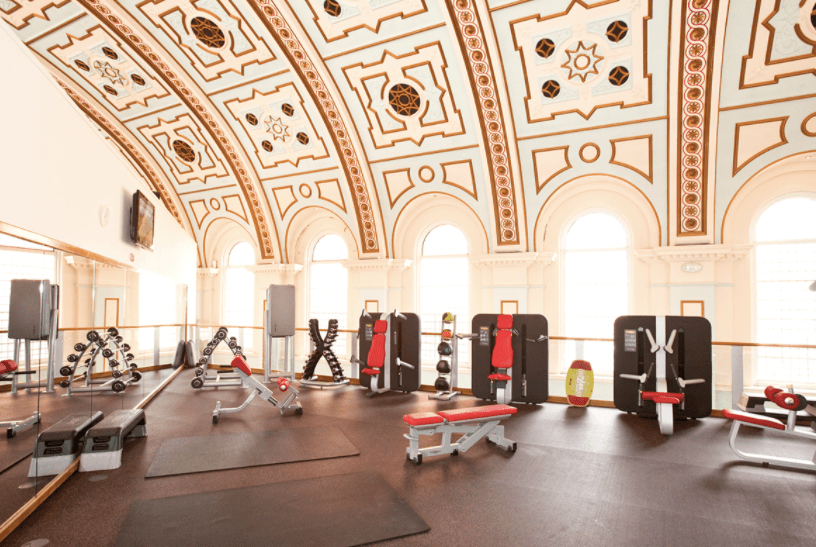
{"x": 267, "y": 146}
{"x": 184, "y": 151}
{"x": 138, "y": 80}
{"x": 109, "y": 53}
{"x": 332, "y": 7}
{"x": 276, "y": 128}
{"x": 617, "y": 31}
{"x": 404, "y": 100}
{"x": 305, "y": 191}
{"x": 618, "y": 76}
{"x": 215, "y": 204}
{"x": 288, "y": 109}
{"x": 544, "y": 48}
{"x": 302, "y": 138}
{"x": 426, "y": 174}
{"x": 589, "y": 152}
{"x": 208, "y": 33}
{"x": 82, "y": 65}
{"x": 551, "y": 89}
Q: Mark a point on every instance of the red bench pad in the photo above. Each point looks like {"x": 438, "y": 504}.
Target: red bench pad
{"x": 461, "y": 414}
{"x": 423, "y": 418}
{"x": 7, "y": 366}
{"x": 499, "y": 377}
{"x": 755, "y": 419}
{"x": 239, "y": 363}
{"x": 654, "y": 395}
{"x": 376, "y": 355}
{"x": 371, "y": 371}
{"x": 664, "y": 399}
{"x": 503, "y": 350}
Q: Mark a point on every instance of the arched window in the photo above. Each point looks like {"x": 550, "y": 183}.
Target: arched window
{"x": 328, "y": 286}
{"x": 785, "y": 237}
{"x": 239, "y": 291}
{"x": 596, "y": 286}
{"x": 444, "y": 286}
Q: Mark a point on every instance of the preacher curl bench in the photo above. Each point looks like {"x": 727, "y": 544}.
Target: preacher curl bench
{"x": 472, "y": 423}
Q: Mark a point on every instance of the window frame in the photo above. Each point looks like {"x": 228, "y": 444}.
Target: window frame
{"x": 224, "y": 287}
{"x": 308, "y": 283}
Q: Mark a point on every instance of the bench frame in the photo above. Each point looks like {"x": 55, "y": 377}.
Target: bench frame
{"x": 472, "y": 431}
{"x": 289, "y": 403}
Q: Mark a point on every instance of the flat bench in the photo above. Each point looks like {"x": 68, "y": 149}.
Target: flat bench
{"x": 59, "y": 445}
{"x": 104, "y": 441}
{"x": 472, "y": 423}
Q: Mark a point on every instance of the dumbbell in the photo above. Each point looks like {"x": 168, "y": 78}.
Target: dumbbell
{"x": 79, "y": 347}
{"x": 72, "y": 358}
{"x": 107, "y": 354}
{"x": 126, "y": 347}
{"x": 92, "y": 336}
{"x": 113, "y": 331}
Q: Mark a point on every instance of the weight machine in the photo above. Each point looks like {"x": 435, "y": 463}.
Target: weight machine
{"x": 34, "y": 315}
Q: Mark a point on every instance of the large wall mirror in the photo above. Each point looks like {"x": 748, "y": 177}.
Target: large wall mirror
{"x": 79, "y": 340}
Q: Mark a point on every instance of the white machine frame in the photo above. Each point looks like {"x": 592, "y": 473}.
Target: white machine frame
{"x": 454, "y": 373}
{"x": 53, "y": 349}
{"x": 258, "y": 389}
{"x": 790, "y": 429}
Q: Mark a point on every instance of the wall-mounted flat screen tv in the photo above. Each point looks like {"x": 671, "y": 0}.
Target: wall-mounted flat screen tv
{"x": 142, "y": 218}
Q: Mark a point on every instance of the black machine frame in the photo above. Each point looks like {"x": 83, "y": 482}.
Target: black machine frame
{"x": 405, "y": 338}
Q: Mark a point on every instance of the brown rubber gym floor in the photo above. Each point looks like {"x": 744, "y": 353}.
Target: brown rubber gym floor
{"x": 592, "y": 476}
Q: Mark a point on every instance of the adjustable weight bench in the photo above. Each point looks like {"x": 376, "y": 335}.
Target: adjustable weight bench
{"x": 105, "y": 441}
{"x": 59, "y": 445}
{"x": 240, "y": 366}
{"x": 473, "y": 423}
{"x": 786, "y": 400}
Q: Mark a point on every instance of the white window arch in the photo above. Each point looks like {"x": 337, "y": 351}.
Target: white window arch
{"x": 785, "y": 267}
{"x": 596, "y": 286}
{"x": 444, "y": 286}
{"x": 239, "y": 291}
{"x": 328, "y": 286}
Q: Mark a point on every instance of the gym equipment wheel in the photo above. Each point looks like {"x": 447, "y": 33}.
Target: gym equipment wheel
{"x": 197, "y": 383}
{"x": 10, "y": 433}
{"x": 118, "y": 386}
{"x": 199, "y": 371}
{"x": 455, "y": 453}
{"x": 66, "y": 371}
{"x": 79, "y": 347}
{"x": 418, "y": 461}
{"x": 299, "y": 411}
{"x": 215, "y": 419}
{"x": 513, "y": 448}
{"x": 65, "y": 384}
{"x": 491, "y": 443}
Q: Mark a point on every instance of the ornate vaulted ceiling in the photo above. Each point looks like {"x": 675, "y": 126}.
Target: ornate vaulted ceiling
{"x": 255, "y": 111}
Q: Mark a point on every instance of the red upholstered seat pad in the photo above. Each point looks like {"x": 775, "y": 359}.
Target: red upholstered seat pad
{"x": 239, "y": 363}
{"x": 7, "y": 365}
{"x": 753, "y": 419}
{"x": 651, "y": 396}
{"x": 423, "y": 418}
{"x": 477, "y": 412}
{"x": 503, "y": 350}
{"x": 666, "y": 399}
{"x": 371, "y": 371}
{"x": 499, "y": 377}
{"x": 376, "y": 355}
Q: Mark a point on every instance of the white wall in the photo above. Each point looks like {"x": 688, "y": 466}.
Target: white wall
{"x": 57, "y": 172}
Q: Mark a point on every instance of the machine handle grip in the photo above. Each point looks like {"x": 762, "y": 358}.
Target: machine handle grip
{"x": 670, "y": 343}
{"x": 654, "y": 347}
{"x": 467, "y": 335}
{"x": 401, "y": 363}
{"x": 398, "y": 315}
{"x": 642, "y": 378}
{"x": 684, "y": 383}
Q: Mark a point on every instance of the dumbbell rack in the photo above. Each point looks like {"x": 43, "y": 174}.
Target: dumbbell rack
{"x": 323, "y": 349}
{"x": 219, "y": 379}
{"x": 99, "y": 345}
{"x": 445, "y": 387}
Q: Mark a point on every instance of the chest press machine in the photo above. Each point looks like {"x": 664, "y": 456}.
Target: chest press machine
{"x": 668, "y": 351}
{"x": 388, "y": 347}
{"x": 789, "y": 401}
{"x": 510, "y": 357}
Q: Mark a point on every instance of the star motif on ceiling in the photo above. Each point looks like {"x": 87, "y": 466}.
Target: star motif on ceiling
{"x": 276, "y": 128}
{"x": 107, "y": 71}
{"x": 582, "y": 61}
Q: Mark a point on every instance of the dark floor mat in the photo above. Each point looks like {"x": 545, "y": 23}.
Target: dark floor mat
{"x": 248, "y": 449}
{"x": 336, "y": 511}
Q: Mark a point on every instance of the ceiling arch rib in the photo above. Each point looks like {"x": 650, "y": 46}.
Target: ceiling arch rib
{"x": 508, "y": 200}
{"x": 344, "y": 136}
{"x": 131, "y": 32}
{"x": 132, "y": 147}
